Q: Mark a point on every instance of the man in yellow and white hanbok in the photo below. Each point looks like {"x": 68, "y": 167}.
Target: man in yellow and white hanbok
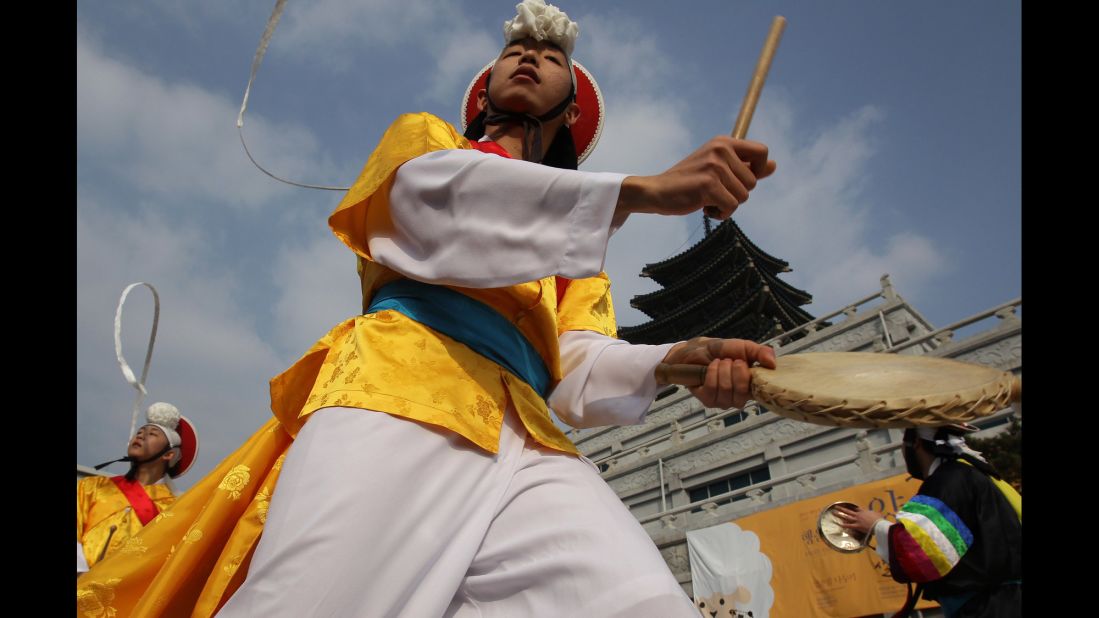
{"x": 112, "y": 510}
{"x": 412, "y": 467}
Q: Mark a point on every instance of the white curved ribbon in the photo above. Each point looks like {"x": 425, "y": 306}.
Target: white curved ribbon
{"x": 268, "y": 32}
{"x": 127, "y": 373}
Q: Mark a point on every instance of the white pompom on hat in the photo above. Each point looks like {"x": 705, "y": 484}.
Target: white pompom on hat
{"x": 542, "y": 22}
{"x": 166, "y": 417}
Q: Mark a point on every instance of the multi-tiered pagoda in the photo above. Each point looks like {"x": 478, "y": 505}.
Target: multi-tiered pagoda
{"x": 723, "y": 286}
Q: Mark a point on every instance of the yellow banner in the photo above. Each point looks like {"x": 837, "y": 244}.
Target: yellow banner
{"x": 812, "y": 580}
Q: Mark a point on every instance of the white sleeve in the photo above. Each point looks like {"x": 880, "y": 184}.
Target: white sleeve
{"x": 607, "y": 381}
{"x": 881, "y": 535}
{"x": 463, "y": 217}
{"x": 81, "y": 562}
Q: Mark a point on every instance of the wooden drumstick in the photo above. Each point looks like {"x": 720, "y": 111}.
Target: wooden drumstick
{"x": 107, "y": 544}
{"x": 748, "y": 107}
{"x": 683, "y": 375}
{"x": 763, "y": 65}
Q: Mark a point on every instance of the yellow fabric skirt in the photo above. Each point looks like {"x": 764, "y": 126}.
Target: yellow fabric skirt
{"x": 191, "y": 558}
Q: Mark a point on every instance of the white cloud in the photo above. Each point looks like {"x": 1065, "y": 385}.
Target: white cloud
{"x": 170, "y": 147}
{"x": 622, "y": 54}
{"x": 320, "y": 27}
{"x": 335, "y": 34}
{"x": 179, "y": 141}
{"x": 458, "y": 58}
{"x": 815, "y": 214}
{"x": 318, "y": 288}
{"x": 644, "y": 239}
{"x": 643, "y": 134}
{"x": 338, "y": 34}
{"x": 633, "y": 144}
{"x": 911, "y": 261}
{"x": 173, "y": 145}
{"x": 208, "y": 358}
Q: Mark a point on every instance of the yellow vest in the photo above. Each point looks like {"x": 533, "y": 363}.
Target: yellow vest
{"x": 388, "y": 362}
{"x": 100, "y": 505}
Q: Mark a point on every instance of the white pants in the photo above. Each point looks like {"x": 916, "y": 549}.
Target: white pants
{"x": 375, "y": 515}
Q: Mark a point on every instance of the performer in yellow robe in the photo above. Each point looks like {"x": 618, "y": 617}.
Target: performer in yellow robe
{"x": 110, "y": 511}
{"x": 401, "y": 359}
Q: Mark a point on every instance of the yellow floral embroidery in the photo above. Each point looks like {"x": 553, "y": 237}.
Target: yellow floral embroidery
{"x": 351, "y": 376}
{"x": 335, "y": 374}
{"x": 235, "y": 481}
{"x": 95, "y": 600}
{"x": 134, "y": 545}
{"x": 484, "y": 408}
{"x": 402, "y": 406}
{"x": 233, "y": 565}
{"x": 263, "y": 502}
{"x": 421, "y": 344}
{"x": 194, "y": 535}
{"x": 278, "y": 462}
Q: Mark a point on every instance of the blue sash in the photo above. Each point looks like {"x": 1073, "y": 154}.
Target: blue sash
{"x": 469, "y": 322}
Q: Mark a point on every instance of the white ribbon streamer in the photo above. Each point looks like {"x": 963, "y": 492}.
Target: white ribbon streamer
{"x": 268, "y": 32}
{"x": 127, "y": 373}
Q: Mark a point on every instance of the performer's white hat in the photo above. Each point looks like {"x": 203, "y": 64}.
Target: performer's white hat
{"x": 180, "y": 433}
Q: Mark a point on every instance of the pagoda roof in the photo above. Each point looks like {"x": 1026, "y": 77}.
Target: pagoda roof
{"x": 700, "y": 283}
{"x": 722, "y": 286}
{"x": 692, "y": 277}
{"x": 670, "y": 329}
{"x": 699, "y": 317}
{"x": 718, "y": 242}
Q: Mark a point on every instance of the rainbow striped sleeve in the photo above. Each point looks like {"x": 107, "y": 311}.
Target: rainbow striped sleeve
{"x": 929, "y": 542}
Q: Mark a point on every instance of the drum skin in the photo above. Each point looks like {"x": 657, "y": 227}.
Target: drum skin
{"x": 862, "y": 389}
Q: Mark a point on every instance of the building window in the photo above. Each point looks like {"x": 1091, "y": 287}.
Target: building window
{"x": 733, "y": 419}
{"x": 666, "y": 392}
{"x": 737, "y": 481}
{"x": 996, "y": 422}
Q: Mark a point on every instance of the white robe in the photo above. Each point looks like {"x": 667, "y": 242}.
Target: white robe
{"x": 376, "y": 515}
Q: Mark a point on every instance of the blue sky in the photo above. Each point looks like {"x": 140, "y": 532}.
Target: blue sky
{"x": 895, "y": 125}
